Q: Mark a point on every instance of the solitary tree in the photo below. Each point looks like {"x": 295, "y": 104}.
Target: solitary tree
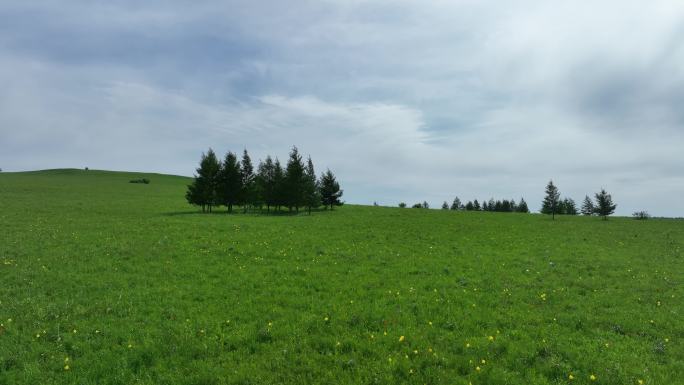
{"x": 588, "y": 206}
{"x": 202, "y": 191}
{"x": 426, "y": 205}
{"x": 604, "y": 204}
{"x": 550, "y": 203}
{"x": 456, "y": 204}
{"x": 330, "y": 190}
{"x": 402, "y": 205}
{"x": 230, "y": 182}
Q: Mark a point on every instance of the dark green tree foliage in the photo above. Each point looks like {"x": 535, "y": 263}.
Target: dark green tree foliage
{"x": 569, "y": 207}
{"x": 330, "y": 190}
{"x": 604, "y": 204}
{"x": 266, "y": 183}
{"x": 456, "y": 204}
{"x": 491, "y": 205}
{"x": 417, "y": 205}
{"x": 248, "y": 195}
{"x": 202, "y": 191}
{"x": 550, "y": 203}
{"x": 230, "y": 182}
{"x": 402, "y": 205}
{"x": 522, "y": 206}
{"x": 476, "y": 205}
{"x": 311, "y": 188}
{"x": 426, "y": 205}
{"x": 469, "y": 206}
{"x": 485, "y": 206}
{"x": 295, "y": 181}
{"x": 445, "y": 206}
{"x": 279, "y": 185}
{"x": 588, "y": 206}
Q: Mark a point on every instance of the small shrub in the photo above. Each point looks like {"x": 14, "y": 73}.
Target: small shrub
{"x": 143, "y": 180}
{"x": 641, "y": 215}
{"x": 417, "y": 206}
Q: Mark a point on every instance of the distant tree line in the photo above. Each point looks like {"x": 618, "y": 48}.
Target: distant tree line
{"x": 502, "y": 206}
{"x": 552, "y": 204}
{"x": 234, "y": 182}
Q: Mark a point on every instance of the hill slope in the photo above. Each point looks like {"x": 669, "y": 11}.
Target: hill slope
{"x": 104, "y": 281}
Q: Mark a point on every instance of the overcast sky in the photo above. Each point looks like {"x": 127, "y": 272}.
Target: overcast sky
{"x": 404, "y": 100}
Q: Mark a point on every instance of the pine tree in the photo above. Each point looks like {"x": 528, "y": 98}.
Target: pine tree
{"x": 426, "y": 205}
{"x": 265, "y": 182}
{"x": 330, "y": 190}
{"x": 295, "y": 181}
{"x": 604, "y": 204}
{"x": 513, "y": 206}
{"x": 505, "y": 206}
{"x": 445, "y": 206}
{"x": 491, "y": 204}
{"x": 550, "y": 203}
{"x": 248, "y": 185}
{"x": 312, "y": 191}
{"x": 230, "y": 182}
{"x": 485, "y": 206}
{"x": 279, "y": 193}
{"x": 202, "y": 191}
{"x": 456, "y": 204}
{"x": 469, "y": 206}
{"x": 570, "y": 206}
{"x": 588, "y": 206}
{"x": 476, "y": 205}
{"x": 522, "y": 206}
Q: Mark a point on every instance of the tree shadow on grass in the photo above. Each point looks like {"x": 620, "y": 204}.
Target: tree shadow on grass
{"x": 250, "y": 213}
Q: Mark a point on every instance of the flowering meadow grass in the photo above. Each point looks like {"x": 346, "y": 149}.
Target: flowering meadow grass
{"x": 107, "y": 282}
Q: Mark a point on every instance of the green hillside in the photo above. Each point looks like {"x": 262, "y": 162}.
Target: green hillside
{"x": 108, "y": 282}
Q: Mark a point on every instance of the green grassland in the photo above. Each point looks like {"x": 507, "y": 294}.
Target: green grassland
{"x": 107, "y": 282}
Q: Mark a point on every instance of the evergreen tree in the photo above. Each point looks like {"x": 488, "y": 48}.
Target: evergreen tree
{"x": 445, "y": 206}
{"x": 279, "y": 192}
{"x": 476, "y": 205}
{"x": 560, "y": 210}
{"x": 312, "y": 191}
{"x": 295, "y": 181}
{"x": 513, "y": 206}
{"x": 456, "y": 204}
{"x": 248, "y": 185}
{"x": 604, "y": 204}
{"x": 265, "y": 182}
{"x": 497, "y": 206}
{"x": 426, "y": 205}
{"x": 505, "y": 206}
{"x": 522, "y": 206}
{"x": 550, "y": 203}
{"x": 588, "y": 206}
{"x": 330, "y": 190}
{"x": 202, "y": 191}
{"x": 230, "y": 182}
{"x": 569, "y": 206}
{"x": 491, "y": 204}
{"x": 485, "y": 206}
{"x": 469, "y": 206}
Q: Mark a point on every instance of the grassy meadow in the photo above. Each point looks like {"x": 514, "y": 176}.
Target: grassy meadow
{"x": 107, "y": 282}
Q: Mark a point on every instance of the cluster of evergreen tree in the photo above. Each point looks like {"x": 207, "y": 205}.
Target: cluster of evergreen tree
{"x": 234, "y": 182}
{"x": 552, "y": 204}
{"x": 501, "y": 206}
